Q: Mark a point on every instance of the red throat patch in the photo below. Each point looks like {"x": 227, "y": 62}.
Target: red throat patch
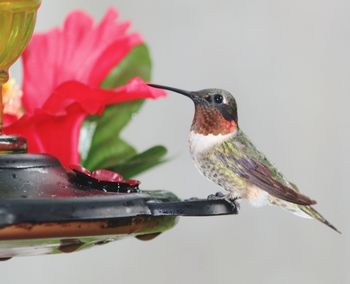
{"x": 210, "y": 121}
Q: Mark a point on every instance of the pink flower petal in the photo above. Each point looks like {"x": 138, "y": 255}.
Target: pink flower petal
{"x": 93, "y": 100}
{"x": 55, "y": 135}
{"x": 80, "y": 51}
{"x": 55, "y": 128}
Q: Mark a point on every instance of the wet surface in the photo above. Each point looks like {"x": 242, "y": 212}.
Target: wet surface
{"x": 45, "y": 208}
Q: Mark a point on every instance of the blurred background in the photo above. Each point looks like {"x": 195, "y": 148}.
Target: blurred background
{"x": 288, "y": 63}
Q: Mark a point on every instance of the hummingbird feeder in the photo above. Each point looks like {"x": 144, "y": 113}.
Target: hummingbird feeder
{"x": 45, "y": 208}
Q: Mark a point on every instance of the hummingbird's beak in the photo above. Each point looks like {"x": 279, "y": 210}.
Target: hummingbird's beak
{"x": 183, "y": 92}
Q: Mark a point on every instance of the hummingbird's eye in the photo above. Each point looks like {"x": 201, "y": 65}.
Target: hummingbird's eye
{"x": 218, "y": 98}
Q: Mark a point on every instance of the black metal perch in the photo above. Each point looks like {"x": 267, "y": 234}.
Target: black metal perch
{"x": 46, "y": 209}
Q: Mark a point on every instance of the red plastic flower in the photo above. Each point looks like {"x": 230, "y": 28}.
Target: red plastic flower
{"x": 104, "y": 180}
{"x": 62, "y": 72}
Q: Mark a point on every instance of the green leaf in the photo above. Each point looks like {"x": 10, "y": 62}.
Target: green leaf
{"x": 113, "y": 151}
{"x": 141, "y": 162}
{"x": 116, "y": 117}
{"x": 86, "y": 133}
{"x": 113, "y": 120}
{"x": 136, "y": 64}
{"x": 107, "y": 149}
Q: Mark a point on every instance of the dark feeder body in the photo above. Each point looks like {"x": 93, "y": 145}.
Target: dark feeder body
{"x": 46, "y": 209}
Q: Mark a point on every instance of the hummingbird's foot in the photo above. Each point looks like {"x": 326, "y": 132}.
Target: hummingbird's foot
{"x": 234, "y": 201}
{"x": 227, "y": 197}
{"x": 218, "y": 195}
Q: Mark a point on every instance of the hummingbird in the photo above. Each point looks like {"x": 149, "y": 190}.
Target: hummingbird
{"x": 224, "y": 154}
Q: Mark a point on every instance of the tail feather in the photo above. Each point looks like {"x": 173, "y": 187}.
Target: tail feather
{"x": 314, "y": 214}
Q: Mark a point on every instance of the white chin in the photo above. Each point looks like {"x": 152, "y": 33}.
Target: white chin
{"x": 200, "y": 143}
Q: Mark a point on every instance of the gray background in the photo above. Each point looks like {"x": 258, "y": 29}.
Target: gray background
{"x": 288, "y": 63}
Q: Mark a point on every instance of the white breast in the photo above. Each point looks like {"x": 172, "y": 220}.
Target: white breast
{"x": 199, "y": 142}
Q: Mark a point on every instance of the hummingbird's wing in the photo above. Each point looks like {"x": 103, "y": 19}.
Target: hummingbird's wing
{"x": 240, "y": 155}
